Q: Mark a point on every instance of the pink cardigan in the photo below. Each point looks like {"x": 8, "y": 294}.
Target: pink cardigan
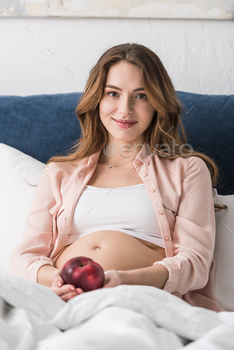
{"x": 181, "y": 194}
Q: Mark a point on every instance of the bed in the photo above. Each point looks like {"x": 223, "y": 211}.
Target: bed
{"x": 34, "y": 128}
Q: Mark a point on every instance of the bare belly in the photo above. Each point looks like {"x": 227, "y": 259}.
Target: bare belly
{"x": 113, "y": 250}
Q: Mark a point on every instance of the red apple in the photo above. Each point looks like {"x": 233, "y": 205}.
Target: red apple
{"x": 83, "y": 273}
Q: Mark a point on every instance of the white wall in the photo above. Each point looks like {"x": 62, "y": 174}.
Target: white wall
{"x": 196, "y": 53}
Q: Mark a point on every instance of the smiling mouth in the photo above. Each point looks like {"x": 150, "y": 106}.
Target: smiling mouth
{"x": 125, "y": 122}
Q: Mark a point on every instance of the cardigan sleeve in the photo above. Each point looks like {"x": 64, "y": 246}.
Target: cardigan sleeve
{"x": 193, "y": 237}
{"x": 35, "y": 246}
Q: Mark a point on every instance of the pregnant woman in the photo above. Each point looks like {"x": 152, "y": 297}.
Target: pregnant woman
{"x": 129, "y": 195}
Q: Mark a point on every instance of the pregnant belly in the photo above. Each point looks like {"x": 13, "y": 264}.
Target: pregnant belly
{"x": 112, "y": 250}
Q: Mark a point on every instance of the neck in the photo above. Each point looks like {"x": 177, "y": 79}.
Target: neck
{"x": 110, "y": 162}
{"x": 115, "y": 154}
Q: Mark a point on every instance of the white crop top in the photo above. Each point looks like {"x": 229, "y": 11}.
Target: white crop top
{"x": 126, "y": 209}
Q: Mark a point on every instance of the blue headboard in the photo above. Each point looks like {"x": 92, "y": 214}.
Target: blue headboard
{"x": 46, "y": 125}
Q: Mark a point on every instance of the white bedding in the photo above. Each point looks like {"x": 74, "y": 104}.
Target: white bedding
{"x": 124, "y": 317}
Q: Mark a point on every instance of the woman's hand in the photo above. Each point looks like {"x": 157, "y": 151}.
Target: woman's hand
{"x": 65, "y": 291}
{"x": 112, "y": 279}
{"x": 68, "y": 291}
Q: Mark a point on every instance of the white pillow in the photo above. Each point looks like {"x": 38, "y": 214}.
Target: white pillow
{"x": 224, "y": 253}
{"x": 16, "y": 198}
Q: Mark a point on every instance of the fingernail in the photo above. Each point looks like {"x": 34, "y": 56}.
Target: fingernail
{"x": 59, "y": 283}
{"x": 72, "y": 288}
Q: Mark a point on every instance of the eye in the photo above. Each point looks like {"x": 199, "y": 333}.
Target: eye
{"x": 142, "y": 95}
{"x": 111, "y": 92}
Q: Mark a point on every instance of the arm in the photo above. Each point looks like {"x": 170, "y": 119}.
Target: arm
{"x": 155, "y": 276}
{"x": 193, "y": 237}
{"x": 35, "y": 246}
{"x": 30, "y": 259}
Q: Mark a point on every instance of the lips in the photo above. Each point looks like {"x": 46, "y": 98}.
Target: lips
{"x": 125, "y": 121}
{"x": 124, "y": 125}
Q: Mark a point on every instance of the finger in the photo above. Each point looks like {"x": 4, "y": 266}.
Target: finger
{"x": 68, "y": 296}
{"x": 67, "y": 288}
{"x": 79, "y": 291}
{"x": 59, "y": 282}
{"x": 57, "y": 279}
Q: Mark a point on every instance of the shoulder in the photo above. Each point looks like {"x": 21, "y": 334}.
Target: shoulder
{"x": 198, "y": 163}
{"x": 66, "y": 168}
{"x": 186, "y": 167}
{"x": 197, "y": 171}
{"x": 188, "y": 163}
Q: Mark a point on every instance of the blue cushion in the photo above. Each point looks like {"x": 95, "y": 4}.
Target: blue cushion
{"x": 46, "y": 125}
{"x": 209, "y": 124}
{"x": 40, "y": 125}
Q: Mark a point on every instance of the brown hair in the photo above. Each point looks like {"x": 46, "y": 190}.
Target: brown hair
{"x": 161, "y": 95}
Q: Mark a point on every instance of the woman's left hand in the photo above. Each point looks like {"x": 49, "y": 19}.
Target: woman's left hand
{"x": 112, "y": 279}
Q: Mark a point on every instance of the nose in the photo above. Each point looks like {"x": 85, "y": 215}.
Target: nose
{"x": 125, "y": 106}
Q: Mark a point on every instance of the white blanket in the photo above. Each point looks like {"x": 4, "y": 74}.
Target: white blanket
{"x": 124, "y": 317}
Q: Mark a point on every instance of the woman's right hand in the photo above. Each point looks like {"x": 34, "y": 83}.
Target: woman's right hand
{"x": 65, "y": 291}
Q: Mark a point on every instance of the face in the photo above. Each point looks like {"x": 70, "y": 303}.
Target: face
{"x": 120, "y": 101}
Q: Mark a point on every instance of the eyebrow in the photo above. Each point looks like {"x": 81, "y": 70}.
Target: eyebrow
{"x": 115, "y": 87}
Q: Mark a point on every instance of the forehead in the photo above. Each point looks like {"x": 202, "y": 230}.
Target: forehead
{"x": 123, "y": 73}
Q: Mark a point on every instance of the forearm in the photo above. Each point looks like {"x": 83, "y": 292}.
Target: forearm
{"x": 44, "y": 275}
{"x": 155, "y": 276}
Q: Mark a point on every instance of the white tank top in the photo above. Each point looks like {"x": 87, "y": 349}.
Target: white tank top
{"x": 126, "y": 209}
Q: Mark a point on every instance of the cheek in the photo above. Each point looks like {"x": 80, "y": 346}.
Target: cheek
{"x": 102, "y": 107}
{"x": 147, "y": 115}
{"x": 106, "y": 110}
{"x": 104, "y": 113}
{"x": 109, "y": 102}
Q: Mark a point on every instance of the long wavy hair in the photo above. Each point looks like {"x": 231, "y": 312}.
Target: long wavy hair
{"x": 160, "y": 93}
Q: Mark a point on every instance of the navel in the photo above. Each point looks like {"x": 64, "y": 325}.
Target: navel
{"x": 97, "y": 248}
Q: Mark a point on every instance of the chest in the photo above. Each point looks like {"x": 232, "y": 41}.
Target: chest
{"x": 114, "y": 177}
